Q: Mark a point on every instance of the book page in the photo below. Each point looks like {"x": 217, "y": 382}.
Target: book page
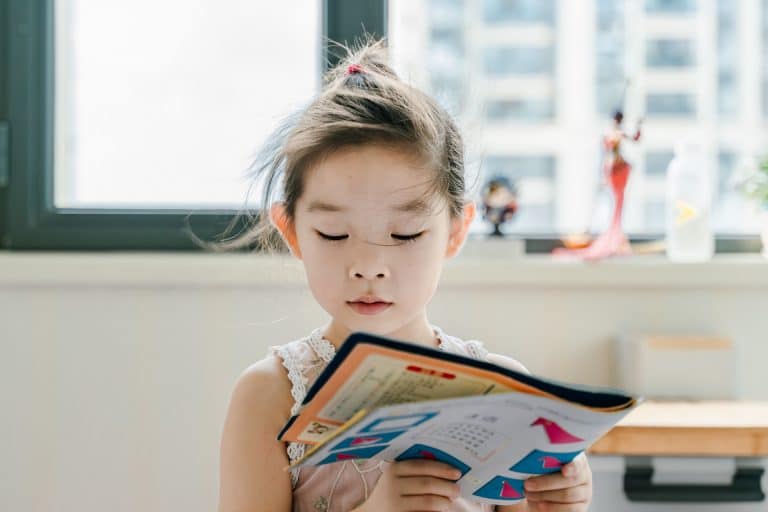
{"x": 380, "y": 380}
{"x": 496, "y": 441}
{"x": 373, "y": 376}
{"x": 370, "y": 372}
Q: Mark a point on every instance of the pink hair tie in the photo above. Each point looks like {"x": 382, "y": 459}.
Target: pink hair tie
{"x": 354, "y": 69}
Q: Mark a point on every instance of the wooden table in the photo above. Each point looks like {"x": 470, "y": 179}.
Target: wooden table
{"x": 737, "y": 429}
{"x": 657, "y": 430}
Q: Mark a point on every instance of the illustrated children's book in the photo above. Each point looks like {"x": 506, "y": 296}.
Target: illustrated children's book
{"x": 390, "y": 400}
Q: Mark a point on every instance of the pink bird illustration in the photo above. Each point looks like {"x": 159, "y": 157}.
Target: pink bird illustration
{"x": 548, "y": 462}
{"x": 364, "y": 440}
{"x": 427, "y": 455}
{"x": 556, "y": 433}
{"x": 507, "y": 491}
{"x": 345, "y": 456}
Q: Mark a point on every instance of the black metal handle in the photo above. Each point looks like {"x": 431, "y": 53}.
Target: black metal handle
{"x": 744, "y": 487}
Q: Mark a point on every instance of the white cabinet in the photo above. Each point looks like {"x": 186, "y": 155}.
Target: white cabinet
{"x": 679, "y": 484}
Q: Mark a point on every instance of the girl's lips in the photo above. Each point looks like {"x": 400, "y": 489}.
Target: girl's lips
{"x": 372, "y": 308}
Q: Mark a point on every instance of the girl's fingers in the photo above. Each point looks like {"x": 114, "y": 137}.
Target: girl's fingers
{"x": 548, "y": 506}
{"x": 427, "y": 502}
{"x": 581, "y": 493}
{"x": 551, "y": 482}
{"x": 424, "y": 467}
{"x": 581, "y": 461}
{"x": 572, "y": 474}
{"x": 578, "y": 465}
{"x": 414, "y": 485}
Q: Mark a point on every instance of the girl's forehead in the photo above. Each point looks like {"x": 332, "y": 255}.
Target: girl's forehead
{"x": 368, "y": 177}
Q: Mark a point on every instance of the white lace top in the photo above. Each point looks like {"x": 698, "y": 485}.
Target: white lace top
{"x": 341, "y": 486}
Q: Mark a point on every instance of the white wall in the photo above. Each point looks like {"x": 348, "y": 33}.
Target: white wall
{"x": 117, "y": 369}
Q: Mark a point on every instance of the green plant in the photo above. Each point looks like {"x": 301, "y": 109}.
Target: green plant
{"x": 755, "y": 184}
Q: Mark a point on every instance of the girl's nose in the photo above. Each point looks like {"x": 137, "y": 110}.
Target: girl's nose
{"x": 368, "y": 262}
{"x": 369, "y": 270}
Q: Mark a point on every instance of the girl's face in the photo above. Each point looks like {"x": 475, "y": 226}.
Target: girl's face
{"x": 368, "y": 231}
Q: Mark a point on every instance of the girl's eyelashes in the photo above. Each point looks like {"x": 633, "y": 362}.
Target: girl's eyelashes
{"x": 339, "y": 238}
{"x": 408, "y": 238}
{"x": 332, "y": 238}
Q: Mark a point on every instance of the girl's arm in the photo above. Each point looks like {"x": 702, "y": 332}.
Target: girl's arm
{"x": 252, "y": 460}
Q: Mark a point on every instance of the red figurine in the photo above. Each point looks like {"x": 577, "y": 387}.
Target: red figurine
{"x": 612, "y": 242}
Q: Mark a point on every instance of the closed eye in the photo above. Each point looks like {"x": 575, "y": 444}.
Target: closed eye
{"x": 407, "y": 238}
{"x": 338, "y": 238}
{"x": 332, "y": 238}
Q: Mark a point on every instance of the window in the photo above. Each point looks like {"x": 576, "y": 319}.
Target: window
{"x": 537, "y": 93}
{"x": 670, "y": 6}
{"x": 656, "y": 162}
{"x": 528, "y": 110}
{"x": 519, "y": 166}
{"x": 533, "y": 95}
{"x": 518, "y": 61}
{"x": 609, "y": 55}
{"x": 181, "y": 107}
{"x": 516, "y": 11}
{"x": 764, "y": 54}
{"x": 654, "y": 215}
{"x": 727, "y": 59}
{"x": 669, "y": 53}
{"x": 670, "y": 104}
{"x": 735, "y": 216}
{"x": 133, "y": 122}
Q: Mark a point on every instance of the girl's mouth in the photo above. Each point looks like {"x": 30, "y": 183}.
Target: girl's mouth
{"x": 369, "y": 308}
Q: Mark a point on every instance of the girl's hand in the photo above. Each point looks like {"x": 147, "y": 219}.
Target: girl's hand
{"x": 568, "y": 491}
{"x": 414, "y": 485}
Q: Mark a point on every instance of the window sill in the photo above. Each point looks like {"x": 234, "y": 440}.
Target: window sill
{"x": 470, "y": 269}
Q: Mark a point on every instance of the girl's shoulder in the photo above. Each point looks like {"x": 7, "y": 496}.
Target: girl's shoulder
{"x": 258, "y": 407}
{"x": 267, "y": 376}
{"x": 265, "y": 379}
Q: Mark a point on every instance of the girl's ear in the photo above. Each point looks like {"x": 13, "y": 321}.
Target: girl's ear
{"x": 459, "y": 229}
{"x": 279, "y": 219}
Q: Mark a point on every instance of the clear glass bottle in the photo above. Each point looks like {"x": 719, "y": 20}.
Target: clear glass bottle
{"x": 689, "y": 201}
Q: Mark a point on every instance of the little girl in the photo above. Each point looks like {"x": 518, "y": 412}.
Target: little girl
{"x": 372, "y": 182}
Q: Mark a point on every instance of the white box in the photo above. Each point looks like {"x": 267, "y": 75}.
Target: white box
{"x": 677, "y": 367}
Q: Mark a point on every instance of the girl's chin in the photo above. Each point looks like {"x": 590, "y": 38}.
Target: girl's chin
{"x": 380, "y": 325}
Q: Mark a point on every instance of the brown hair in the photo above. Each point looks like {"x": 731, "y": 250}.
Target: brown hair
{"x": 362, "y": 102}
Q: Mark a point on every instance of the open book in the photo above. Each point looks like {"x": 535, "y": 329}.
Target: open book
{"x": 390, "y": 400}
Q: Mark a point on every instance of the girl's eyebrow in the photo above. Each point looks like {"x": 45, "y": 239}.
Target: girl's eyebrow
{"x": 321, "y": 206}
{"x": 418, "y": 205}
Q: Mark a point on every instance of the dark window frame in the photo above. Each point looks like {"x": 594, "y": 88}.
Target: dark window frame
{"x": 28, "y": 218}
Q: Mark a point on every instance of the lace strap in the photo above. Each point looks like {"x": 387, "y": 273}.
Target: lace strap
{"x": 295, "y": 452}
{"x": 295, "y": 367}
{"x": 476, "y": 349}
{"x": 472, "y": 348}
{"x": 322, "y": 347}
{"x": 295, "y": 375}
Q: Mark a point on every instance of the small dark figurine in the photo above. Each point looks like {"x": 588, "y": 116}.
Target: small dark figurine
{"x": 499, "y": 202}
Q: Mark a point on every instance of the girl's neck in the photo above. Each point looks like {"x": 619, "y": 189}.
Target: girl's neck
{"x": 418, "y": 331}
